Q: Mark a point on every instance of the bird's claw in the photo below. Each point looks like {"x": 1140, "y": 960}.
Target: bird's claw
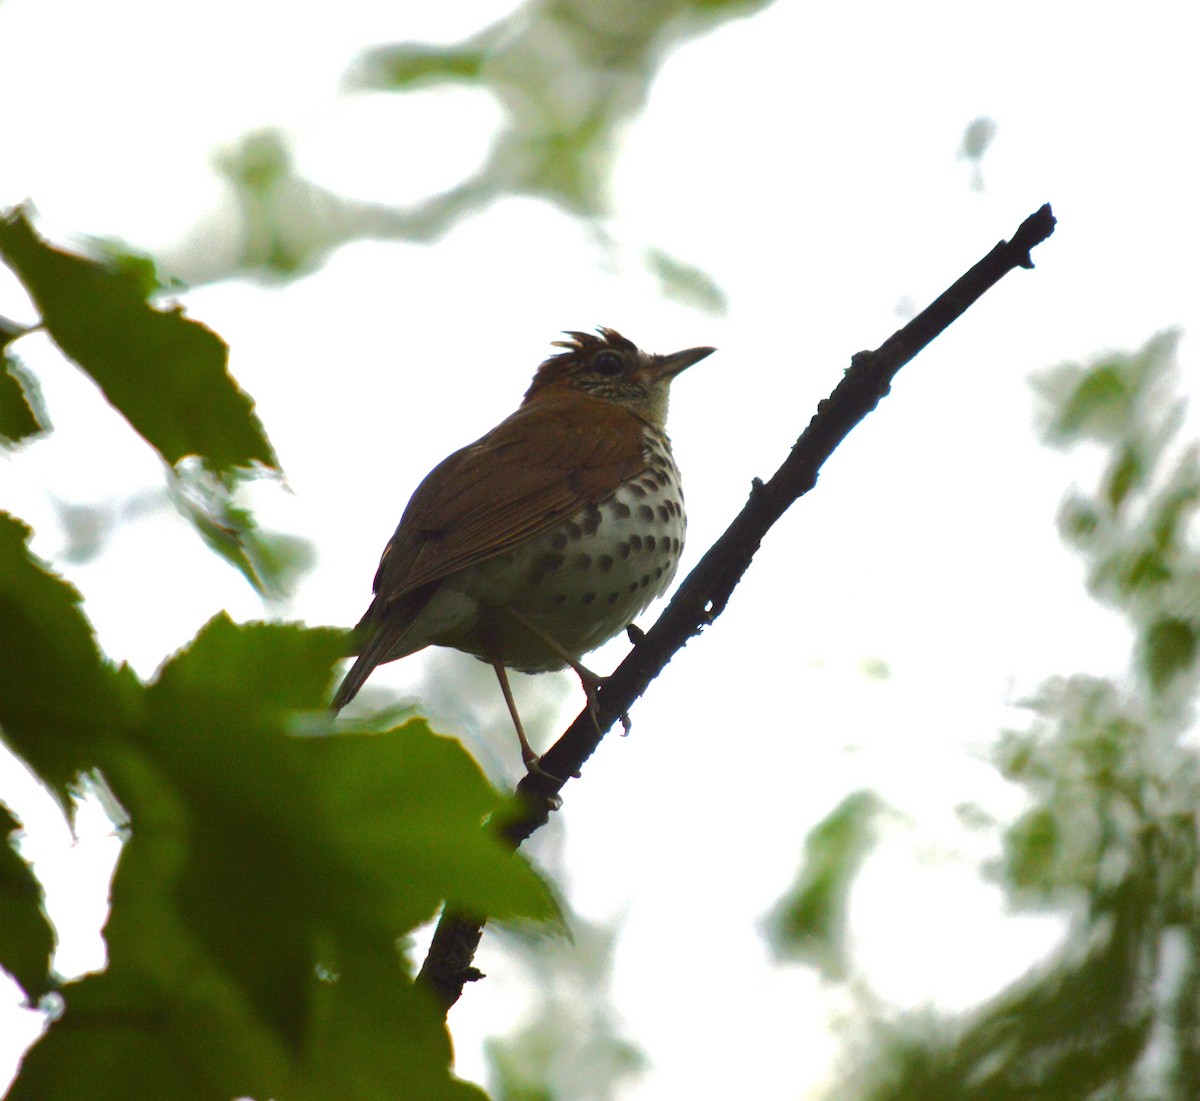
{"x": 533, "y": 765}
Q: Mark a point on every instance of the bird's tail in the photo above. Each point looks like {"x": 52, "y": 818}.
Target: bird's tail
{"x": 384, "y": 628}
{"x": 356, "y": 677}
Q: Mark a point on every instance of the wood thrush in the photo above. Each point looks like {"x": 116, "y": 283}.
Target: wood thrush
{"x": 547, "y": 536}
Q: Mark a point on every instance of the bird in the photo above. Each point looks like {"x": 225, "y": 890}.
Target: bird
{"x": 545, "y": 537}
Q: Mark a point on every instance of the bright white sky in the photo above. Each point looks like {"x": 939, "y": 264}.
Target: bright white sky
{"x": 805, "y": 158}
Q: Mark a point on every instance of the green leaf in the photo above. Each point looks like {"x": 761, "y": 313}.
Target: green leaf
{"x": 22, "y": 412}
{"x": 687, "y": 283}
{"x": 1107, "y": 398}
{"x": 182, "y": 1036}
{"x": 26, "y": 938}
{"x": 164, "y": 372}
{"x": 400, "y": 812}
{"x": 390, "y": 68}
{"x": 1127, "y": 473}
{"x": 167, "y": 375}
{"x": 270, "y": 561}
{"x": 175, "y": 1029}
{"x": 1169, "y": 649}
{"x": 273, "y": 869}
{"x": 1079, "y": 520}
{"x": 9, "y": 331}
{"x": 259, "y": 163}
{"x": 1172, "y": 509}
{"x": 58, "y": 696}
{"x": 374, "y": 1038}
{"x": 1032, "y": 849}
{"x": 808, "y": 924}
{"x": 1099, "y": 398}
{"x": 977, "y": 137}
{"x": 116, "y": 256}
{"x": 355, "y": 831}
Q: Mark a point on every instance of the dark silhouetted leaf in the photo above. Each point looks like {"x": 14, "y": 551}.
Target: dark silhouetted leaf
{"x": 22, "y": 411}
{"x": 26, "y": 939}
{"x": 58, "y": 696}
{"x": 164, "y": 372}
{"x": 9, "y": 331}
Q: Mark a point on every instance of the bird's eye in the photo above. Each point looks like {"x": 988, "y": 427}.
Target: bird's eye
{"x": 608, "y": 363}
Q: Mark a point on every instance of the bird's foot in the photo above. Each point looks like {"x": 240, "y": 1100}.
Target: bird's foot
{"x": 533, "y": 765}
{"x": 592, "y": 683}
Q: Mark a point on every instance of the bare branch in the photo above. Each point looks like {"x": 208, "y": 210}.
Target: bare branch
{"x": 706, "y": 590}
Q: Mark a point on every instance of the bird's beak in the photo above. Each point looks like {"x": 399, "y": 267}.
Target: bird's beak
{"x": 670, "y": 366}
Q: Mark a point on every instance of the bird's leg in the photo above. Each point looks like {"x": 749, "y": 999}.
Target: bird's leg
{"x": 531, "y": 759}
{"x": 591, "y": 681}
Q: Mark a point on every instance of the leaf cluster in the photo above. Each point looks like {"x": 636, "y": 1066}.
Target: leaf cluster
{"x": 1109, "y": 838}
{"x": 273, "y": 864}
{"x": 568, "y": 75}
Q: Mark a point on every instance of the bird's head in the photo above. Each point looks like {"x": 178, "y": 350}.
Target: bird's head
{"x": 607, "y": 366}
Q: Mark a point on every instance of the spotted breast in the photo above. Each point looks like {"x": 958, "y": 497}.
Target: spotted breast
{"x": 584, "y": 581}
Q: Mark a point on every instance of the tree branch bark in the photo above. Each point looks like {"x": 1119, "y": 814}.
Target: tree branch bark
{"x": 706, "y": 590}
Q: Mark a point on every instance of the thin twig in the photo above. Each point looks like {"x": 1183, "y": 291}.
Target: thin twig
{"x": 706, "y": 590}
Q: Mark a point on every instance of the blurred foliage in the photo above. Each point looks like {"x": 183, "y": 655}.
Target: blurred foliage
{"x": 1111, "y": 769}
{"x": 568, "y": 75}
{"x": 686, "y": 283}
{"x": 166, "y": 374}
{"x": 809, "y": 923}
{"x": 289, "y": 225}
{"x": 1133, "y": 533}
{"x": 270, "y": 561}
{"x": 976, "y": 140}
{"x": 569, "y": 1047}
{"x": 977, "y": 137}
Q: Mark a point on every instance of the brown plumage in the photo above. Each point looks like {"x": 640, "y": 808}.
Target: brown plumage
{"x": 512, "y": 548}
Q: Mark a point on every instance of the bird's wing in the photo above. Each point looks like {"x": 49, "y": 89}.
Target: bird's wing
{"x": 532, "y": 471}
